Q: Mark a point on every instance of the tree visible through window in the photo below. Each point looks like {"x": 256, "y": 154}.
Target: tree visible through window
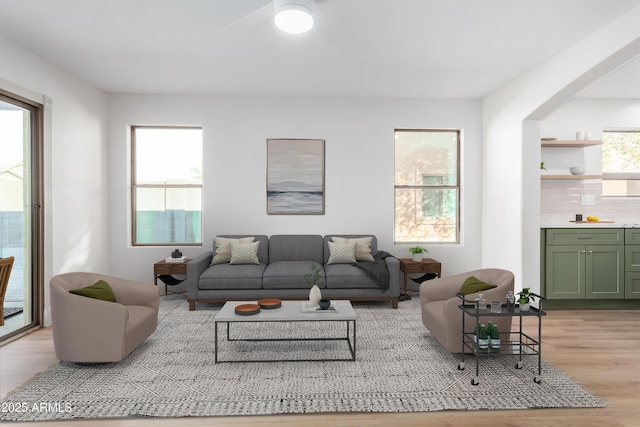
{"x": 427, "y": 186}
{"x": 621, "y": 163}
{"x": 167, "y": 185}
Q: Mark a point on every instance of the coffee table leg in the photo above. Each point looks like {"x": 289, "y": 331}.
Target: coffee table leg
{"x": 354, "y": 340}
{"x": 352, "y": 348}
{"x": 215, "y": 345}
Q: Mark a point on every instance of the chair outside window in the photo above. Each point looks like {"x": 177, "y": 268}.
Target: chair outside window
{"x": 6, "y": 264}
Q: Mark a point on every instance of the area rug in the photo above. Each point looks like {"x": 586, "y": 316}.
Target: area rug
{"x": 400, "y": 367}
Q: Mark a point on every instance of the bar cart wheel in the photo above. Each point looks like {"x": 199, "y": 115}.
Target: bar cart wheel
{"x": 461, "y": 366}
{"x": 537, "y": 379}
{"x": 475, "y": 381}
{"x": 519, "y": 364}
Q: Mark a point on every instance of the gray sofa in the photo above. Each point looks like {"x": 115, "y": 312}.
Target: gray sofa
{"x": 282, "y": 261}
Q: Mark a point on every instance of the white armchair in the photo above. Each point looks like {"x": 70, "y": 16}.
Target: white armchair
{"x": 439, "y": 303}
{"x": 88, "y": 330}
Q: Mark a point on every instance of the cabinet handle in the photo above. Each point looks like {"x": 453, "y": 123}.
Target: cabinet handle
{"x": 583, "y": 252}
{"x": 584, "y": 237}
{"x": 589, "y": 252}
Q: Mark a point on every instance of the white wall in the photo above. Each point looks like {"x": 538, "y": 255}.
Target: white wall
{"x": 512, "y": 117}
{"x": 560, "y": 201}
{"x": 359, "y": 153}
{"x": 76, "y": 199}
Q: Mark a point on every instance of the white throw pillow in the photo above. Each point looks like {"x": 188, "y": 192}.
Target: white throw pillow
{"x": 223, "y": 248}
{"x": 244, "y": 253}
{"x": 342, "y": 253}
{"x": 363, "y": 246}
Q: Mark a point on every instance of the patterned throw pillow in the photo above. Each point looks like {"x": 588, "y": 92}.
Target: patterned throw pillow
{"x": 244, "y": 253}
{"x": 342, "y": 253}
{"x": 223, "y": 248}
{"x": 363, "y": 246}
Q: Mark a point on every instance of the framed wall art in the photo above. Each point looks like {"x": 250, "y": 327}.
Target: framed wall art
{"x": 295, "y": 176}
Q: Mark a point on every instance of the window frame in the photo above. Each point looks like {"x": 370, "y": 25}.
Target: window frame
{"x": 457, "y": 187}
{"x": 618, "y": 176}
{"x": 135, "y": 186}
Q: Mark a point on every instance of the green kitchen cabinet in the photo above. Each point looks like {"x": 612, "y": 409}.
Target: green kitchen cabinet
{"x": 632, "y": 263}
{"x": 585, "y": 264}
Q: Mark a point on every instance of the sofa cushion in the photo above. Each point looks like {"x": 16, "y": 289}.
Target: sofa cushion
{"x": 348, "y": 276}
{"x": 342, "y": 253}
{"x": 289, "y": 275}
{"x": 263, "y": 248}
{"x": 296, "y": 247}
{"x": 223, "y": 248}
{"x": 363, "y": 248}
{"x": 99, "y": 290}
{"x": 232, "y": 276}
{"x": 472, "y": 285}
{"x": 329, "y": 238}
{"x": 244, "y": 253}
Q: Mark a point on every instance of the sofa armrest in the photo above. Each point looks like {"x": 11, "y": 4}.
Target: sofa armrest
{"x": 81, "y": 322}
{"x": 195, "y": 268}
{"x": 130, "y": 292}
{"x": 441, "y": 288}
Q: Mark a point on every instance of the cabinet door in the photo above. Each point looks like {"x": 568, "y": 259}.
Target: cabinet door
{"x": 565, "y": 277}
{"x": 632, "y": 286}
{"x": 632, "y": 257}
{"x": 605, "y": 272}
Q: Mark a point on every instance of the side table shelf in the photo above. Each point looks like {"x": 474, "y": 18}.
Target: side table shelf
{"x": 511, "y": 343}
{"x": 165, "y": 270}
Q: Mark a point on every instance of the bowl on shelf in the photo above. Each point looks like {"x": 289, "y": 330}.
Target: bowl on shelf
{"x": 577, "y": 170}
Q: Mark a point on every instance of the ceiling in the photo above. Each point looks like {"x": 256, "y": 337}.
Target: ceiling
{"x": 374, "y": 48}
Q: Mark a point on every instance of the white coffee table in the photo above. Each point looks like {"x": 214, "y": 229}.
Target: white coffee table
{"x": 290, "y": 311}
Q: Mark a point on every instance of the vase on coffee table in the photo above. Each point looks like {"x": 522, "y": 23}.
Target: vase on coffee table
{"x": 315, "y": 295}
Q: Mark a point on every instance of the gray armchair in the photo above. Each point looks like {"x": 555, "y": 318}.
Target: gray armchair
{"x": 439, "y": 304}
{"x": 88, "y": 330}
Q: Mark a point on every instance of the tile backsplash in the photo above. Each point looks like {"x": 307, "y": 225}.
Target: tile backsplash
{"x": 560, "y": 201}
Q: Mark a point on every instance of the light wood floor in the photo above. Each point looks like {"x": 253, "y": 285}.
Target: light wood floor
{"x": 600, "y": 349}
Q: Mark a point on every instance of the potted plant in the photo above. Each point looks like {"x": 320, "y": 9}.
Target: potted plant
{"x": 525, "y": 297}
{"x": 416, "y": 253}
{"x": 312, "y": 280}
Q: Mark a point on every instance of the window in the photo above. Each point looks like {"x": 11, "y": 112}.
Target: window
{"x": 167, "y": 185}
{"x": 621, "y": 163}
{"x": 427, "y": 186}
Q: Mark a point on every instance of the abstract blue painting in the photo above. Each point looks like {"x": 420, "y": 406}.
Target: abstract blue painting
{"x": 295, "y": 176}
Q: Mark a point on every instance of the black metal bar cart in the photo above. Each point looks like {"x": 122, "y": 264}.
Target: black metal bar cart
{"x": 517, "y": 344}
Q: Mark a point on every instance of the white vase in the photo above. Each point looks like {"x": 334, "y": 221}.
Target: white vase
{"x": 416, "y": 257}
{"x": 315, "y": 295}
{"x": 525, "y": 306}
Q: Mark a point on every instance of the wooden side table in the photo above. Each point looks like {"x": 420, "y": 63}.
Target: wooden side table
{"x": 427, "y": 265}
{"x": 162, "y": 268}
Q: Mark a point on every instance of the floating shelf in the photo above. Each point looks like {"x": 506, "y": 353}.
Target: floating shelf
{"x": 570, "y": 177}
{"x": 569, "y": 143}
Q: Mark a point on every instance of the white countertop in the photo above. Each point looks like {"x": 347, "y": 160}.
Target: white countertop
{"x": 568, "y": 224}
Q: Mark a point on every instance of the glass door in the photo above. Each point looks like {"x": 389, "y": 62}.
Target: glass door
{"x": 20, "y": 212}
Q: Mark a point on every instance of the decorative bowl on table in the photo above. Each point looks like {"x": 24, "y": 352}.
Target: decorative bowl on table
{"x": 324, "y": 304}
{"x": 577, "y": 170}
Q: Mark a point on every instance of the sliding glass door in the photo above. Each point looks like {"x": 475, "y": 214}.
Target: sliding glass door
{"x": 21, "y": 211}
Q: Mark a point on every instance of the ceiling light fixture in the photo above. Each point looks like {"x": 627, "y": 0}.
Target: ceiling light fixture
{"x": 294, "y": 16}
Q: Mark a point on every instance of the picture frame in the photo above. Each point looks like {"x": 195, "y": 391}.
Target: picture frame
{"x": 295, "y": 176}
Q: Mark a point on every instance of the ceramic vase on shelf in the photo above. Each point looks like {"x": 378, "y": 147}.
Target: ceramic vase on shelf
{"x": 416, "y": 257}
{"x": 315, "y": 295}
{"x": 525, "y": 307}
